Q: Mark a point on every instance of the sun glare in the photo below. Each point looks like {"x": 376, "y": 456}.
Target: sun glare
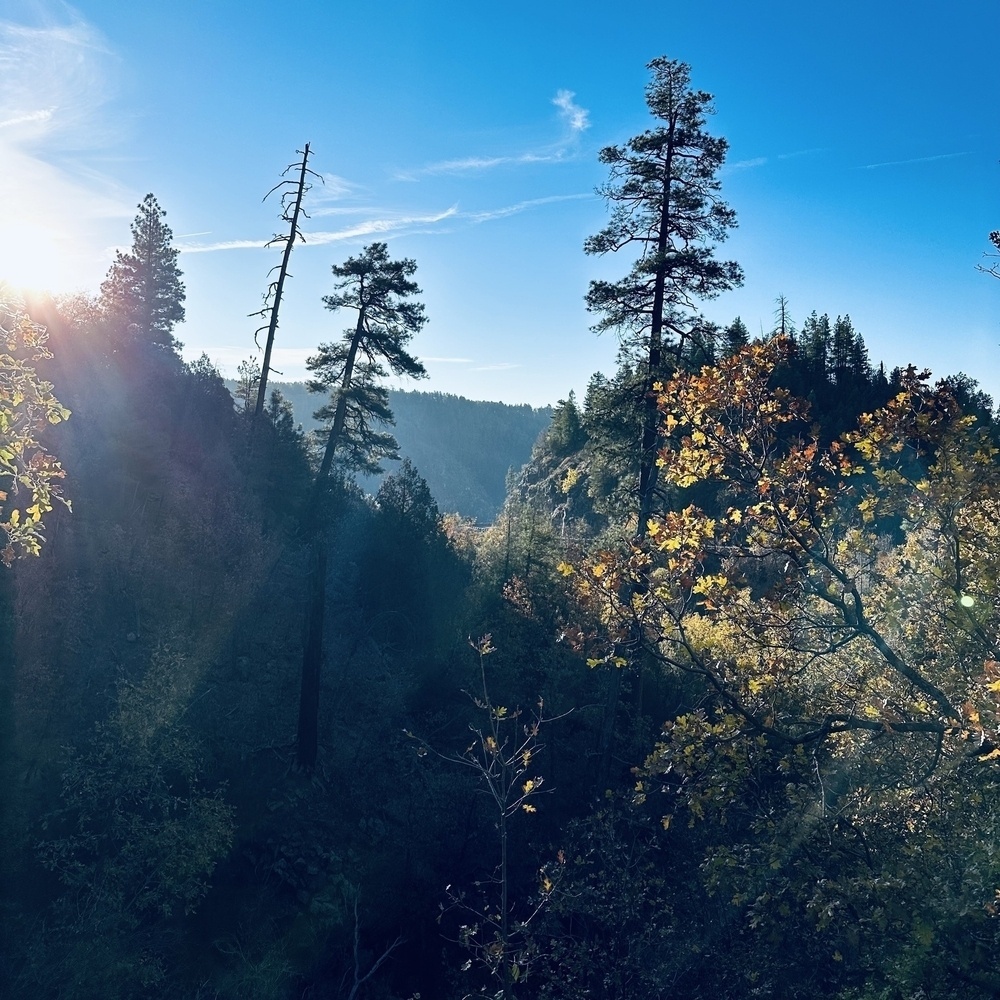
{"x": 55, "y": 242}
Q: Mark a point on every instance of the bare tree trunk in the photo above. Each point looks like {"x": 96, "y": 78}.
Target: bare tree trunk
{"x": 651, "y": 413}
{"x": 312, "y": 655}
{"x": 647, "y": 463}
{"x": 312, "y": 660}
{"x": 277, "y": 287}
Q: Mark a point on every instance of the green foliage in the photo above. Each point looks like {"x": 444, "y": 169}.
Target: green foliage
{"x": 141, "y": 833}
{"x": 405, "y": 502}
{"x": 840, "y": 767}
{"x": 133, "y": 844}
{"x": 28, "y": 472}
{"x": 610, "y": 926}
{"x": 380, "y": 291}
{"x": 735, "y": 337}
{"x": 143, "y": 294}
{"x": 566, "y": 433}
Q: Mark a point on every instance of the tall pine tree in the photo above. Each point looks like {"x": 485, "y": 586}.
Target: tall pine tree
{"x": 664, "y": 194}
{"x": 380, "y": 291}
{"x": 143, "y": 293}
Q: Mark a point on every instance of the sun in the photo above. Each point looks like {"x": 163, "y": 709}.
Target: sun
{"x": 55, "y": 231}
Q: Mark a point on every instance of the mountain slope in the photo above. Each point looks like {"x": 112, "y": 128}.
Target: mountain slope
{"x": 464, "y": 448}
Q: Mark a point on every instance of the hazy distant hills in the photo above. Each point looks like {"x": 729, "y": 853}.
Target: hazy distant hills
{"x": 464, "y": 448}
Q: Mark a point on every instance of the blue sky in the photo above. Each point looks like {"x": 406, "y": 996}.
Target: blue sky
{"x": 863, "y": 164}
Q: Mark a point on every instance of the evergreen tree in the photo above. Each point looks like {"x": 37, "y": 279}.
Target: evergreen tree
{"x": 380, "y": 291}
{"x": 405, "y": 501}
{"x": 702, "y": 345}
{"x": 143, "y": 291}
{"x": 664, "y": 196}
{"x": 735, "y": 337}
{"x": 247, "y": 383}
{"x": 566, "y": 434}
{"x": 815, "y": 343}
{"x": 843, "y": 348}
{"x": 860, "y": 364}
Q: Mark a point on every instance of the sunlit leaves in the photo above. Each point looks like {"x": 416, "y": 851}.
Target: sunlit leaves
{"x": 27, "y": 405}
{"x": 839, "y": 605}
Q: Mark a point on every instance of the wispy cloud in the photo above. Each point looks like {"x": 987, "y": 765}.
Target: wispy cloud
{"x": 221, "y": 245}
{"x": 757, "y": 161}
{"x": 42, "y": 115}
{"x": 577, "y": 118}
{"x": 472, "y": 164}
{"x": 522, "y": 206}
{"x": 369, "y": 227}
{"x": 326, "y": 192}
{"x": 55, "y": 84}
{"x": 341, "y": 210}
{"x": 800, "y": 152}
{"x": 915, "y": 159}
{"x": 389, "y": 224}
{"x": 762, "y": 161}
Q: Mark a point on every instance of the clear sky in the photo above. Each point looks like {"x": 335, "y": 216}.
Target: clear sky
{"x": 863, "y": 164}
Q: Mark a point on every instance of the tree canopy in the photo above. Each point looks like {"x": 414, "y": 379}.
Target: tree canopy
{"x": 664, "y": 196}
{"x": 29, "y": 473}
{"x": 380, "y": 291}
{"x": 143, "y": 291}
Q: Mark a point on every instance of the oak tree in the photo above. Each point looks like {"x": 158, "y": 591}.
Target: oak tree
{"x": 838, "y": 606}
{"x": 29, "y": 474}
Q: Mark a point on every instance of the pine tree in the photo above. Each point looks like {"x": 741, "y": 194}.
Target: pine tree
{"x": 735, "y": 337}
{"x": 861, "y": 367}
{"x": 565, "y": 434}
{"x": 380, "y": 291}
{"x": 247, "y": 382}
{"x": 665, "y": 203}
{"x": 815, "y": 342}
{"x": 843, "y": 346}
{"x": 405, "y": 502}
{"x": 143, "y": 292}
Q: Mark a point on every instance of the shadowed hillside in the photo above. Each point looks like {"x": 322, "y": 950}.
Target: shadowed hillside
{"x": 464, "y": 448}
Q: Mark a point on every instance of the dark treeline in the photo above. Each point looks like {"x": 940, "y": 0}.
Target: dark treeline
{"x": 710, "y": 709}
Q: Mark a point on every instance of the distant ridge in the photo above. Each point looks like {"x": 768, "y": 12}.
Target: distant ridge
{"x": 464, "y": 448}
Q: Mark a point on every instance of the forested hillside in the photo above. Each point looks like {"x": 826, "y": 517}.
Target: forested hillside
{"x": 711, "y": 708}
{"x": 464, "y": 448}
